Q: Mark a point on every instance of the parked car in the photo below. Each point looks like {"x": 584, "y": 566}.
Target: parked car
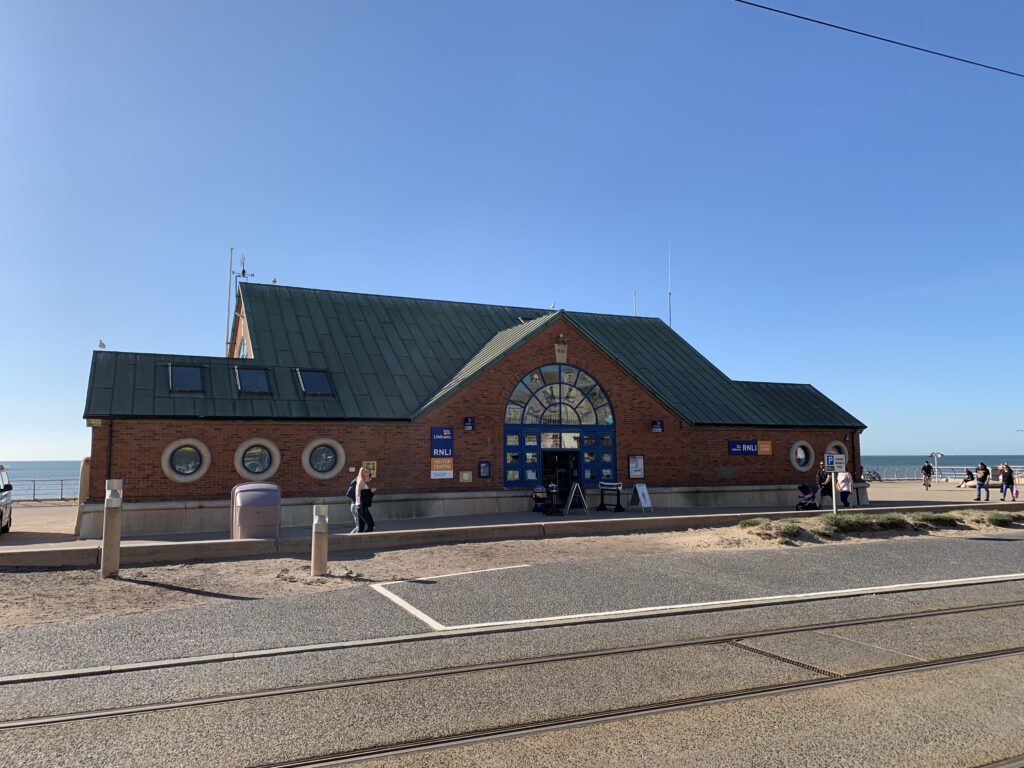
{"x": 6, "y": 504}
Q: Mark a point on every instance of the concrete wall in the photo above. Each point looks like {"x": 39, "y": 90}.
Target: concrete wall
{"x": 214, "y": 517}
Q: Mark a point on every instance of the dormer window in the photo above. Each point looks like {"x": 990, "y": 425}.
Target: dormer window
{"x": 253, "y": 381}
{"x": 185, "y": 378}
{"x": 314, "y": 382}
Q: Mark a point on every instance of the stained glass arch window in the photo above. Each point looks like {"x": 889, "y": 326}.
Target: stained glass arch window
{"x": 558, "y": 394}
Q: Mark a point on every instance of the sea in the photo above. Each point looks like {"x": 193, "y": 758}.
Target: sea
{"x": 43, "y": 479}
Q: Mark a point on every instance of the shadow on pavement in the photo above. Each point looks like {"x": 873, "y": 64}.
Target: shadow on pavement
{"x": 178, "y": 588}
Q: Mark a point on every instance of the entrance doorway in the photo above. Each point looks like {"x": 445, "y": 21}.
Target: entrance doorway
{"x": 561, "y": 468}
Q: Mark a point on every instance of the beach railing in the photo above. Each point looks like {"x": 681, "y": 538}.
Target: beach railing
{"x": 42, "y": 490}
{"x": 913, "y": 472}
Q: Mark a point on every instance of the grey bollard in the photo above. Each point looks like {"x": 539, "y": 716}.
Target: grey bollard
{"x": 110, "y": 550}
{"x": 318, "y": 562}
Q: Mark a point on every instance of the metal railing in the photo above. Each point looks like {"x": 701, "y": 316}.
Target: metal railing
{"x": 913, "y": 472}
{"x": 42, "y": 490}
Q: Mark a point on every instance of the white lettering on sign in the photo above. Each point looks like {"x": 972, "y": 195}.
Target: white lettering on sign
{"x": 835, "y": 462}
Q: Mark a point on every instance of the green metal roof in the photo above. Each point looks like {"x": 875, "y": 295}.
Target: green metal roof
{"x": 696, "y": 390}
{"x": 502, "y": 343}
{"x": 395, "y": 358}
{"x": 134, "y": 384}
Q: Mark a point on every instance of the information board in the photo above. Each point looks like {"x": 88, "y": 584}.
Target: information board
{"x": 442, "y": 453}
{"x": 636, "y": 467}
{"x": 574, "y": 494}
{"x": 640, "y": 497}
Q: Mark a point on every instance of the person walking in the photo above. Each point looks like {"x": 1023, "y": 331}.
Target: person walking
{"x": 926, "y": 474}
{"x": 844, "y": 484}
{"x": 361, "y": 503}
{"x": 1007, "y": 484}
{"x": 824, "y": 479}
{"x": 981, "y": 475}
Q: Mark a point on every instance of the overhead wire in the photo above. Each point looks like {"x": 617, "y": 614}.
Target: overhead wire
{"x": 882, "y": 39}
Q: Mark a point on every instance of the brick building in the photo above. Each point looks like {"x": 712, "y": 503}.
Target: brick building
{"x": 457, "y": 408}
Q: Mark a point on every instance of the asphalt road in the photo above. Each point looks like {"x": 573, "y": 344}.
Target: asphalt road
{"x": 971, "y": 714}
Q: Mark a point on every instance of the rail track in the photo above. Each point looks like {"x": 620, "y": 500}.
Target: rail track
{"x": 822, "y": 677}
{"x": 525, "y": 729}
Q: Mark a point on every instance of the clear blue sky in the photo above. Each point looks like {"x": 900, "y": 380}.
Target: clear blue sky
{"x": 841, "y": 212}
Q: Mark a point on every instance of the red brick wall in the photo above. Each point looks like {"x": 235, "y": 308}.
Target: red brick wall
{"x": 681, "y": 455}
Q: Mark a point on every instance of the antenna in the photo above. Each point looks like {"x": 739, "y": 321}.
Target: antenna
{"x": 669, "y": 283}
{"x": 227, "y": 325}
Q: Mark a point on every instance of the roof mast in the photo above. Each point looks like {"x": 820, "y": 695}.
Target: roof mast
{"x": 227, "y": 331}
{"x": 669, "y": 283}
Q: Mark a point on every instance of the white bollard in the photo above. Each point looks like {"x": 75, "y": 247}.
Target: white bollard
{"x": 318, "y": 561}
{"x": 110, "y": 550}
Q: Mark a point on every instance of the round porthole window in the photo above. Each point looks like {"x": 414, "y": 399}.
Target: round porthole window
{"x": 323, "y": 458}
{"x": 185, "y": 460}
{"x": 257, "y": 459}
{"x": 801, "y": 455}
{"x": 835, "y": 446}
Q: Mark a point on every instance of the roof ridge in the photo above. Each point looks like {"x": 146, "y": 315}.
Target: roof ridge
{"x": 276, "y": 286}
{"x": 329, "y": 291}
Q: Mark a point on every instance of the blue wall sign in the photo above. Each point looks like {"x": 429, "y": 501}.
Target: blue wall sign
{"x": 743, "y": 447}
{"x": 469, "y": 423}
{"x": 442, "y": 453}
{"x": 658, "y": 425}
{"x": 484, "y": 469}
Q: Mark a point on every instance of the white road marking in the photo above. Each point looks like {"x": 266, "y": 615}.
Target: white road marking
{"x": 450, "y": 575}
{"x": 745, "y": 602}
{"x": 409, "y": 608}
{"x": 443, "y": 631}
{"x": 869, "y": 645}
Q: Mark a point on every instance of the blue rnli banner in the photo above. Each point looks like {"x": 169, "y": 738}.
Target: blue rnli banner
{"x": 743, "y": 447}
{"x": 442, "y": 453}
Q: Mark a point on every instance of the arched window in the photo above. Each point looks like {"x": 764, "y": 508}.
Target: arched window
{"x": 558, "y": 409}
{"x": 558, "y": 394}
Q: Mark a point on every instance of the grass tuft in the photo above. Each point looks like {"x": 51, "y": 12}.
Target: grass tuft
{"x": 847, "y": 523}
{"x": 1001, "y": 519}
{"x": 935, "y": 519}
{"x": 752, "y": 522}
{"x": 790, "y": 530}
{"x": 891, "y": 522}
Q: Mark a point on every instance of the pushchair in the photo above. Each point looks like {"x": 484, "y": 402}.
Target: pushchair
{"x": 808, "y": 496}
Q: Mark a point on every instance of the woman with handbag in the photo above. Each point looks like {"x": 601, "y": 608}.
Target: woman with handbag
{"x": 1008, "y": 486}
{"x": 361, "y": 503}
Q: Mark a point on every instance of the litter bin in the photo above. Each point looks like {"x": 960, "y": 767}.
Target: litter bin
{"x": 255, "y": 511}
{"x": 540, "y": 500}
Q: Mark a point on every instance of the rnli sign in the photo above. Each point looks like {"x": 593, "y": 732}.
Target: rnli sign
{"x": 442, "y": 453}
{"x": 743, "y": 447}
{"x": 750, "y": 447}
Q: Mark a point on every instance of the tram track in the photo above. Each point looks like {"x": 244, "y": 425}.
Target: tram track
{"x": 607, "y": 716}
{"x": 734, "y": 639}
